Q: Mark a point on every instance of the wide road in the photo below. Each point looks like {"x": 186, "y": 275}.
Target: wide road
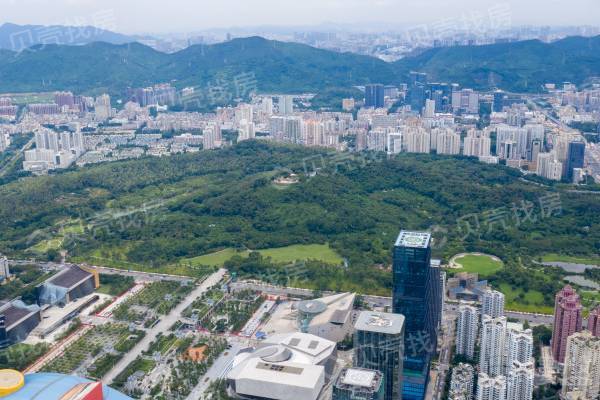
{"x": 165, "y": 323}
{"x": 15, "y": 158}
{"x": 137, "y": 275}
{"x": 218, "y": 370}
{"x": 445, "y": 357}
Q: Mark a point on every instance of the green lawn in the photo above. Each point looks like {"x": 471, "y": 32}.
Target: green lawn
{"x": 297, "y": 252}
{"x": 571, "y": 259}
{"x": 481, "y": 264}
{"x": 517, "y": 300}
{"x": 115, "y": 257}
{"x": 321, "y": 252}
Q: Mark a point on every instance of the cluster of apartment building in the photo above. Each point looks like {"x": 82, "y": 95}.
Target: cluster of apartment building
{"x": 435, "y": 118}
{"x": 505, "y": 367}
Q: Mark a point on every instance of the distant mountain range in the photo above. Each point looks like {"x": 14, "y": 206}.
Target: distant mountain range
{"x": 19, "y": 37}
{"x": 291, "y": 67}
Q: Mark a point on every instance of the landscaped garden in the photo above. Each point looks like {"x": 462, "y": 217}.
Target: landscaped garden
{"x": 157, "y": 298}
{"x": 96, "y": 351}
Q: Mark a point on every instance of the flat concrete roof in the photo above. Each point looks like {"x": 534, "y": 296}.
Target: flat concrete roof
{"x": 372, "y": 321}
{"x": 413, "y": 239}
{"x": 359, "y": 377}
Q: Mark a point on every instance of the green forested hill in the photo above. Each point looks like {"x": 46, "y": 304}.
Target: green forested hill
{"x": 200, "y": 203}
{"x": 519, "y": 66}
{"x": 291, "y": 67}
{"x": 102, "y": 66}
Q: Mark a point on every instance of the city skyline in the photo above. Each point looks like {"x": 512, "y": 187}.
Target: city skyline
{"x": 135, "y": 17}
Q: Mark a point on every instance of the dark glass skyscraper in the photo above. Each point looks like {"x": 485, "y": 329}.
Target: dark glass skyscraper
{"x": 575, "y": 158}
{"x": 499, "y": 100}
{"x": 374, "y": 96}
{"x": 379, "y": 345}
{"x": 416, "y": 288}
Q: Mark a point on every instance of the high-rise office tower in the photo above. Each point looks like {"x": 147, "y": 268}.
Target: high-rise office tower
{"x": 594, "y": 321}
{"x": 359, "y": 383}
{"x": 466, "y": 330}
{"x": 492, "y": 303}
{"x": 418, "y": 78}
{"x": 581, "y": 375}
{"x": 489, "y": 388}
{"x": 379, "y": 345}
{"x": 415, "y": 287}
{"x": 498, "y": 100}
{"x": 519, "y": 382}
{"x": 417, "y": 94}
{"x": 374, "y": 96}
{"x": 491, "y": 352}
{"x": 567, "y": 320}
{"x": 461, "y": 384}
{"x": 575, "y": 158}
{"x": 519, "y": 345}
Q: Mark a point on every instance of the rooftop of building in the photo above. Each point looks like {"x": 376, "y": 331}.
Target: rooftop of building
{"x": 360, "y": 378}
{"x": 413, "y": 239}
{"x": 288, "y": 372}
{"x": 294, "y": 359}
{"x": 303, "y": 347}
{"x": 69, "y": 277}
{"x": 380, "y": 322}
{"x": 15, "y": 311}
{"x": 333, "y": 309}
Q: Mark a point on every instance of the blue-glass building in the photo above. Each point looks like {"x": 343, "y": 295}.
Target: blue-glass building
{"x": 575, "y": 158}
{"x": 417, "y": 296}
{"x": 374, "y": 96}
{"x": 379, "y": 345}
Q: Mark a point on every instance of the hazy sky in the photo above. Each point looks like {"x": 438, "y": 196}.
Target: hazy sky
{"x": 137, "y": 16}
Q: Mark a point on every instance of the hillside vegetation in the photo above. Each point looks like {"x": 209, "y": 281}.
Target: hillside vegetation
{"x": 291, "y": 67}
{"x": 160, "y": 212}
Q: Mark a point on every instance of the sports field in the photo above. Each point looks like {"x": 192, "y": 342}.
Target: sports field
{"x": 482, "y": 264}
